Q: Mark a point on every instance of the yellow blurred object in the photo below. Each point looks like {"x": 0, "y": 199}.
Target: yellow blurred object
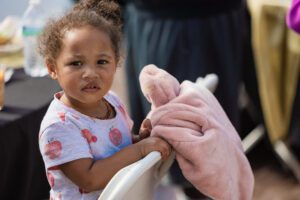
{"x": 2, "y": 85}
{"x": 11, "y": 46}
{"x": 277, "y": 58}
{"x": 8, "y": 28}
{"x": 13, "y": 60}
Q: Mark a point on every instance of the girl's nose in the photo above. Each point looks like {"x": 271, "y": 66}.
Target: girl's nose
{"x": 90, "y": 73}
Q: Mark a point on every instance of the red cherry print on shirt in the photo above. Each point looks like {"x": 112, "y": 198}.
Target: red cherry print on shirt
{"x": 88, "y": 136}
{"x": 115, "y": 136}
{"x": 50, "y": 179}
{"x": 94, "y": 138}
{"x": 62, "y": 116}
{"x": 82, "y": 191}
{"x": 120, "y": 107}
{"x": 54, "y": 168}
{"x": 53, "y": 149}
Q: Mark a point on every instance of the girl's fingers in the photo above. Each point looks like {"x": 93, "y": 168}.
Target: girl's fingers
{"x": 145, "y": 129}
{"x": 165, "y": 149}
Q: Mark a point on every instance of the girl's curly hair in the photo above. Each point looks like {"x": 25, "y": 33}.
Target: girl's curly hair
{"x": 101, "y": 14}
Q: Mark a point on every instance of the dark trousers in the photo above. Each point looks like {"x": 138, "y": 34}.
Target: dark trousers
{"x": 187, "y": 49}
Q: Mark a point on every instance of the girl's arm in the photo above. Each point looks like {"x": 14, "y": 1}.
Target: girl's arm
{"x": 91, "y": 175}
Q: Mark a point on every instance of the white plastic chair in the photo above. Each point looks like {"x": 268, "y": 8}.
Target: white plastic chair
{"x": 138, "y": 180}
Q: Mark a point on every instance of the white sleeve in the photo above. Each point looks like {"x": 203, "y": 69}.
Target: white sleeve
{"x": 120, "y": 106}
{"x": 61, "y": 143}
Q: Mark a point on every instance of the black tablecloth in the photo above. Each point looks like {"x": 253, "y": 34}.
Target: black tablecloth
{"x": 22, "y": 174}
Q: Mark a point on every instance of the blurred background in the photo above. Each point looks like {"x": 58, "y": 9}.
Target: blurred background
{"x": 12, "y": 8}
{"x": 266, "y": 110}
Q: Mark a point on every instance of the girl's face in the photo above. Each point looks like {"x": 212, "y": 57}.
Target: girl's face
{"x": 85, "y": 67}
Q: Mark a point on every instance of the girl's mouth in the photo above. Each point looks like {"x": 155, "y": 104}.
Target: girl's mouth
{"x": 91, "y": 88}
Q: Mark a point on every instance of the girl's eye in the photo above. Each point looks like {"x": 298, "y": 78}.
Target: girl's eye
{"x": 102, "y": 62}
{"x": 76, "y": 63}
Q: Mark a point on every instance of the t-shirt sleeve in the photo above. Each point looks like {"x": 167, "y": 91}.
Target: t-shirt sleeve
{"x": 61, "y": 143}
{"x": 120, "y": 106}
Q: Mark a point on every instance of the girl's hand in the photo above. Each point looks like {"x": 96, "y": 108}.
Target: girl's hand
{"x": 91, "y": 175}
{"x": 154, "y": 144}
{"x": 144, "y": 132}
{"x": 145, "y": 129}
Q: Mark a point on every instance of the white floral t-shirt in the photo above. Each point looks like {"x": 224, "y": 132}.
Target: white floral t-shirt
{"x": 67, "y": 135}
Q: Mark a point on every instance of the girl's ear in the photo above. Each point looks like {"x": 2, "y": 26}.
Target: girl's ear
{"x": 51, "y": 69}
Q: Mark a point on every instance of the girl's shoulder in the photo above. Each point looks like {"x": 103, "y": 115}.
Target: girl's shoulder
{"x": 58, "y": 113}
{"x": 113, "y": 98}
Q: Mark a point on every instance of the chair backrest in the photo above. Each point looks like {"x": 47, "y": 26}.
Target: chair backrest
{"x": 138, "y": 180}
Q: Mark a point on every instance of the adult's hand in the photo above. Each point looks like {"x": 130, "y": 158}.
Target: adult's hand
{"x": 208, "y": 148}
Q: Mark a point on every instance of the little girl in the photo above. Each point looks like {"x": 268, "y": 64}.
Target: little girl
{"x": 85, "y": 136}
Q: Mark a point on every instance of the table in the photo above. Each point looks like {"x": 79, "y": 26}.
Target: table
{"x": 22, "y": 173}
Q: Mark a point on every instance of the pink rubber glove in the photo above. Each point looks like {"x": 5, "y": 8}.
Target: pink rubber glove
{"x": 208, "y": 148}
{"x": 158, "y": 86}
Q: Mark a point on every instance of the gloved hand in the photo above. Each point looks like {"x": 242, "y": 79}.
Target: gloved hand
{"x": 158, "y": 86}
{"x": 207, "y": 146}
